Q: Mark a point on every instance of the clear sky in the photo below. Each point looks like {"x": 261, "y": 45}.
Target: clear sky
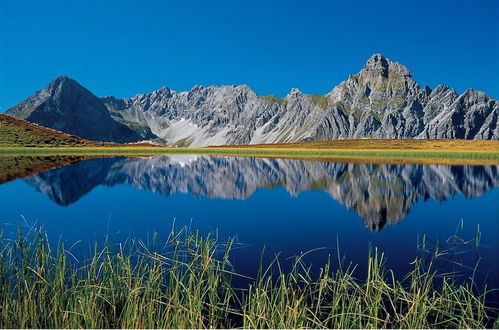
{"x": 123, "y": 48}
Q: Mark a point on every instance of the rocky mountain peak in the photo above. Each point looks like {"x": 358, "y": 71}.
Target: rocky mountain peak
{"x": 380, "y": 89}
{"x": 472, "y": 98}
{"x": 65, "y": 87}
{"x": 162, "y": 92}
{"x": 59, "y": 81}
{"x": 294, "y": 91}
{"x": 382, "y": 100}
{"x": 378, "y": 65}
{"x": 474, "y": 93}
{"x": 164, "y": 89}
{"x": 67, "y": 106}
{"x": 197, "y": 88}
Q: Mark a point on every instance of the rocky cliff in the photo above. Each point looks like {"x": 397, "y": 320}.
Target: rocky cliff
{"x": 381, "y": 101}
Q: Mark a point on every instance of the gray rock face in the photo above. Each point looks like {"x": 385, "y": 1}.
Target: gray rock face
{"x": 66, "y": 106}
{"x": 473, "y": 115}
{"x": 381, "y": 101}
{"x": 380, "y": 194}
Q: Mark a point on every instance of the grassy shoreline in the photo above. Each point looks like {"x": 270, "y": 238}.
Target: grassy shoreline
{"x": 381, "y": 155}
{"x": 189, "y": 285}
{"x": 19, "y": 138}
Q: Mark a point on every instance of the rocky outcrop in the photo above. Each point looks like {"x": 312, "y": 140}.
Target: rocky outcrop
{"x": 381, "y": 101}
{"x": 473, "y": 115}
{"x": 66, "y": 106}
{"x": 380, "y": 194}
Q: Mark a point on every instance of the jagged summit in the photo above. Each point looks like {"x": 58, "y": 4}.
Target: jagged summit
{"x": 377, "y": 64}
{"x": 382, "y": 100}
{"x": 65, "y": 84}
{"x": 294, "y": 91}
{"x": 60, "y": 81}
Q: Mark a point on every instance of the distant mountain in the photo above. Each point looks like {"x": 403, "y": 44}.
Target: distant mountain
{"x": 66, "y": 106}
{"x": 380, "y": 101}
{"x": 380, "y": 194}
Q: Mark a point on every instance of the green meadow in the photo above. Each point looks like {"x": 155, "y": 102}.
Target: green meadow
{"x": 377, "y": 155}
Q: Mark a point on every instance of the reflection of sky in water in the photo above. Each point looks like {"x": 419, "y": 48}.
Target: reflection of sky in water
{"x": 273, "y": 218}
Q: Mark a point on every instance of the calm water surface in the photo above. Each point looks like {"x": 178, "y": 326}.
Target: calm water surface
{"x": 287, "y": 206}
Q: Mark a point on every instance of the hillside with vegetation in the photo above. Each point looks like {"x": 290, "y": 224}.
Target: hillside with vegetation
{"x": 19, "y": 133}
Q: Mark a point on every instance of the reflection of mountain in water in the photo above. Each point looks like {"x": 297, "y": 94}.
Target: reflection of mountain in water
{"x": 380, "y": 194}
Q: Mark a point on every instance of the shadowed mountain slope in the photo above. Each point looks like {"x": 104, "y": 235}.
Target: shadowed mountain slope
{"x": 66, "y": 106}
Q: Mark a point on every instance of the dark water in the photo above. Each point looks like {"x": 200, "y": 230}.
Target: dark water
{"x": 287, "y": 206}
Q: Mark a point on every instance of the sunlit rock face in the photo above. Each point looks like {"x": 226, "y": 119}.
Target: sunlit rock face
{"x": 380, "y": 194}
{"x": 381, "y": 101}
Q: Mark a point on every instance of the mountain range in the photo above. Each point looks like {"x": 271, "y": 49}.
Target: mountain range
{"x": 381, "y": 101}
{"x": 380, "y": 194}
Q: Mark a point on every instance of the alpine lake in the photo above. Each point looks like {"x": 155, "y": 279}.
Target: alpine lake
{"x": 271, "y": 207}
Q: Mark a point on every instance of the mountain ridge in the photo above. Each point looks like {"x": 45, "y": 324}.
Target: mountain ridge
{"x": 382, "y": 100}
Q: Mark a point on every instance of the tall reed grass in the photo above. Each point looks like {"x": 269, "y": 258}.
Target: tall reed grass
{"x": 189, "y": 284}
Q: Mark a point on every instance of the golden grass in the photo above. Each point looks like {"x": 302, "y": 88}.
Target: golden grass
{"x": 451, "y": 145}
{"x": 21, "y": 138}
{"x": 416, "y": 153}
{"x": 21, "y": 133}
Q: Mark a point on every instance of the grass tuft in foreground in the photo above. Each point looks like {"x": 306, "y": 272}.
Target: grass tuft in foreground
{"x": 189, "y": 286}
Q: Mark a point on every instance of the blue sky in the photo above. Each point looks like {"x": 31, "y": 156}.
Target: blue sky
{"x": 123, "y": 48}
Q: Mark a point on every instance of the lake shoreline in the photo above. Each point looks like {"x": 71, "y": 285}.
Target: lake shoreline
{"x": 378, "y": 156}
